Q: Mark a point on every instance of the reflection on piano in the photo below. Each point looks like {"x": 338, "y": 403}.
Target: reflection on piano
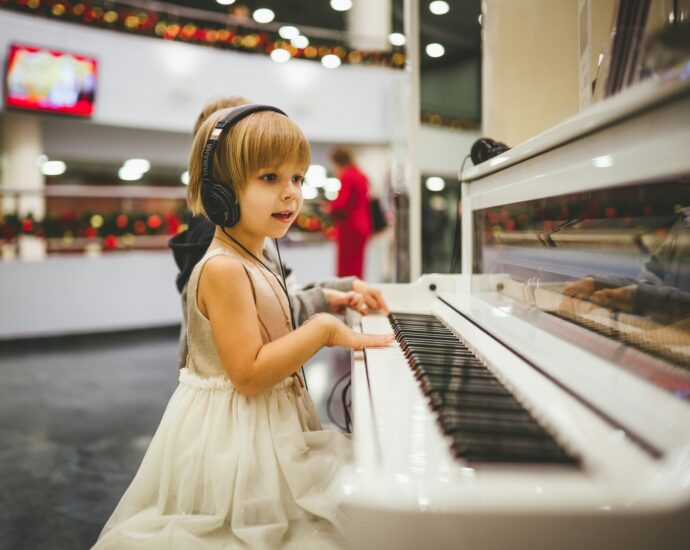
{"x": 513, "y": 411}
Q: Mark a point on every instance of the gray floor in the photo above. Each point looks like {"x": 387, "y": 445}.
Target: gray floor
{"x": 76, "y": 417}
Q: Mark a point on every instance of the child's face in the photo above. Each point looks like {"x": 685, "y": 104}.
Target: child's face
{"x": 271, "y": 200}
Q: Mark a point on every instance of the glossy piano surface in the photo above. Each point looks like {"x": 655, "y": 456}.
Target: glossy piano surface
{"x": 609, "y": 384}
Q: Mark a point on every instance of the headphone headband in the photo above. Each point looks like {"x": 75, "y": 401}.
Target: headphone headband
{"x": 218, "y": 199}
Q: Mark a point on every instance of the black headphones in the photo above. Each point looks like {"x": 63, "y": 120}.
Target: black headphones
{"x": 484, "y": 148}
{"x": 219, "y": 200}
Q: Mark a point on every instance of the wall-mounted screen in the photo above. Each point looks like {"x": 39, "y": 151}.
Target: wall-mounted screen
{"x": 42, "y": 79}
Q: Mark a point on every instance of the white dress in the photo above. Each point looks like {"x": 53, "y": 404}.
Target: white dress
{"x": 227, "y": 471}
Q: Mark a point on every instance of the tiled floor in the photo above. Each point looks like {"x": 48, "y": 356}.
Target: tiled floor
{"x": 76, "y": 417}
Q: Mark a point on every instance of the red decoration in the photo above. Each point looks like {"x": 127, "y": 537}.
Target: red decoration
{"x": 110, "y": 242}
{"x": 154, "y": 221}
{"x": 121, "y": 221}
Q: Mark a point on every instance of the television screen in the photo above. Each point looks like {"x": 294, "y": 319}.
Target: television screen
{"x": 49, "y": 80}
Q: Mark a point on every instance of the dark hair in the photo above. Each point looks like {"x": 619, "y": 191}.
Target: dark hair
{"x": 342, "y": 156}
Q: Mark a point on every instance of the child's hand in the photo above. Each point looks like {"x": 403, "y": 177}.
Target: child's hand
{"x": 372, "y": 296}
{"x": 338, "y": 301}
{"x": 341, "y": 335}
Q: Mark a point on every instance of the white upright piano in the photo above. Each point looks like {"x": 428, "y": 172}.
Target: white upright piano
{"x": 541, "y": 400}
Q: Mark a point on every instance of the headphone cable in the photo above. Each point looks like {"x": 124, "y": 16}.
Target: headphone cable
{"x": 283, "y": 284}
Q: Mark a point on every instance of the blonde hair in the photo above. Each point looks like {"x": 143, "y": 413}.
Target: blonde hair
{"x": 217, "y": 104}
{"x": 262, "y": 140}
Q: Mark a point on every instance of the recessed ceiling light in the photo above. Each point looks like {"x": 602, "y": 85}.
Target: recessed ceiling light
{"x": 309, "y": 192}
{"x": 397, "y": 39}
{"x": 280, "y": 55}
{"x": 53, "y": 168}
{"x": 127, "y": 173}
{"x": 300, "y": 42}
{"x": 435, "y": 183}
{"x": 316, "y": 175}
{"x": 140, "y": 165}
{"x": 435, "y": 50}
{"x": 263, "y": 15}
{"x": 333, "y": 184}
{"x": 288, "y": 32}
{"x": 341, "y": 5}
{"x": 225, "y": 2}
{"x": 330, "y": 61}
{"x": 184, "y": 178}
{"x": 439, "y": 7}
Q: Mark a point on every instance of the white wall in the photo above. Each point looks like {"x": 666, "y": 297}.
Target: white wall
{"x": 161, "y": 85}
{"x": 442, "y": 150}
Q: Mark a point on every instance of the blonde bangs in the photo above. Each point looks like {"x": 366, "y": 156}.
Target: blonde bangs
{"x": 267, "y": 140}
{"x": 262, "y": 140}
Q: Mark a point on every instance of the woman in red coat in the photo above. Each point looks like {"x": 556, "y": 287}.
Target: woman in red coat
{"x": 351, "y": 214}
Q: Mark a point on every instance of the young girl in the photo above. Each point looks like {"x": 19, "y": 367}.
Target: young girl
{"x": 240, "y": 458}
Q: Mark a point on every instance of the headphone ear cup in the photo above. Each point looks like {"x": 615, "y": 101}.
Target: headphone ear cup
{"x": 481, "y": 150}
{"x": 221, "y": 205}
{"x": 484, "y": 148}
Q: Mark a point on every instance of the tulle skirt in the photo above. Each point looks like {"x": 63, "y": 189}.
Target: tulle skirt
{"x": 227, "y": 471}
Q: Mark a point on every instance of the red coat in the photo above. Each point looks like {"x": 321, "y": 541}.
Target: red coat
{"x": 352, "y": 218}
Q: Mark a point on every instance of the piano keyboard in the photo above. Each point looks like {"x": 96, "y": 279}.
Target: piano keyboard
{"x": 482, "y": 418}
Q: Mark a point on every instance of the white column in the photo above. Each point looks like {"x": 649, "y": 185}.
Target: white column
{"x": 369, "y": 24}
{"x": 412, "y": 172}
{"x": 22, "y": 143}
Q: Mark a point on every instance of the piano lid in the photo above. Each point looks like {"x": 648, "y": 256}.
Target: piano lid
{"x": 630, "y": 102}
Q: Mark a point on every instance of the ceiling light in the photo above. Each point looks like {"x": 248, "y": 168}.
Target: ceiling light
{"x": 309, "y": 192}
{"x": 435, "y": 50}
{"x": 280, "y": 55}
{"x": 435, "y": 183}
{"x": 316, "y": 175}
{"x": 481, "y": 19}
{"x": 140, "y": 165}
{"x": 184, "y": 178}
{"x": 40, "y": 159}
{"x": 225, "y": 2}
{"x": 397, "y": 39}
{"x": 127, "y": 173}
{"x": 53, "y": 168}
{"x": 288, "y": 32}
{"x": 333, "y": 184}
{"x": 300, "y": 42}
{"x": 341, "y": 5}
{"x": 439, "y": 7}
{"x": 263, "y": 15}
{"x": 330, "y": 61}
{"x": 331, "y": 195}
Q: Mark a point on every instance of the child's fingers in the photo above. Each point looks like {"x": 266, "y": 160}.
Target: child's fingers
{"x": 356, "y": 302}
{"x": 374, "y": 300}
{"x": 376, "y": 340}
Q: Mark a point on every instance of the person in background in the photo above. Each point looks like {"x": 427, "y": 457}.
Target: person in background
{"x": 332, "y": 296}
{"x": 351, "y": 214}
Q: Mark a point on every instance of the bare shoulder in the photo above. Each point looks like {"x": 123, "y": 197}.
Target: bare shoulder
{"x": 224, "y": 278}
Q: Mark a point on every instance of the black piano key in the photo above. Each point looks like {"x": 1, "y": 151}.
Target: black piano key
{"x": 471, "y": 371}
{"x": 465, "y": 385}
{"x": 495, "y": 425}
{"x": 509, "y": 449}
{"x": 484, "y": 420}
{"x": 452, "y": 401}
